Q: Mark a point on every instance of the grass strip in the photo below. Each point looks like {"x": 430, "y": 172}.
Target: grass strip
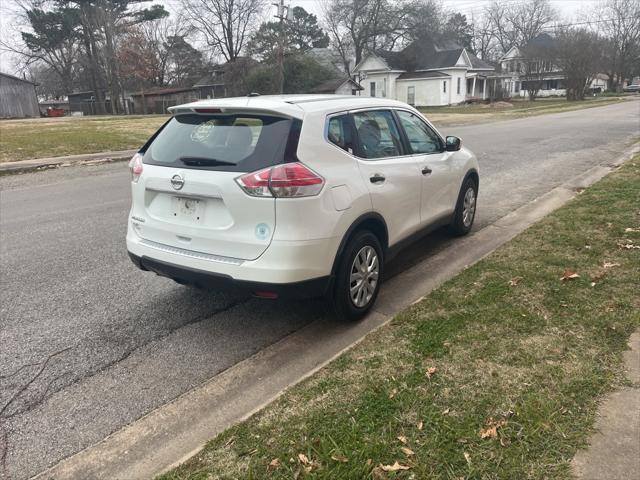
{"x": 44, "y": 138}
{"x": 497, "y": 374}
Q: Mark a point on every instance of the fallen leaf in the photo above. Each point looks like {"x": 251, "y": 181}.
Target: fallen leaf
{"x": 629, "y": 230}
{"x": 339, "y": 458}
{"x": 303, "y": 459}
{"x": 610, "y": 265}
{"x": 446, "y": 411}
{"x": 628, "y": 246}
{"x": 431, "y": 371}
{"x": 569, "y": 274}
{"x": 395, "y": 467}
{"x": 393, "y": 393}
{"x": 490, "y": 432}
{"x": 420, "y": 424}
{"x": 407, "y": 451}
{"x": 369, "y": 462}
{"x": 273, "y": 464}
{"x": 467, "y": 457}
{"x": 514, "y": 281}
{"x": 403, "y": 439}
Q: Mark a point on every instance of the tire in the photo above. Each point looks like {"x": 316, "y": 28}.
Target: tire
{"x": 462, "y": 220}
{"x": 346, "y": 306}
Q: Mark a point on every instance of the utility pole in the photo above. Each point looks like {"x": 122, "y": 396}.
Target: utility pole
{"x": 281, "y": 15}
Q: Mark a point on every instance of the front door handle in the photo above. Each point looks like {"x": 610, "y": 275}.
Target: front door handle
{"x": 377, "y": 178}
{"x": 426, "y": 171}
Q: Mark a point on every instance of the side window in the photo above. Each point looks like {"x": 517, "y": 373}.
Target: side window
{"x": 421, "y": 138}
{"x": 339, "y": 132}
{"x": 378, "y": 134}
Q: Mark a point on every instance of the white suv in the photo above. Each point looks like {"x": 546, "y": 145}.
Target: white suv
{"x": 294, "y": 195}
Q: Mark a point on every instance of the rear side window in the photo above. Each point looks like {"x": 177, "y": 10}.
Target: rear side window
{"x": 340, "y": 132}
{"x": 377, "y": 134}
{"x": 234, "y": 143}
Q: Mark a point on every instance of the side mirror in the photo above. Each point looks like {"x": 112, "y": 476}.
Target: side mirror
{"x": 453, "y": 144}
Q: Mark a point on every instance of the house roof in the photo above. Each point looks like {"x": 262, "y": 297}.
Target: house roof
{"x": 479, "y": 64}
{"x": 541, "y": 40}
{"x": 417, "y": 56}
{"x": 13, "y": 77}
{"x": 330, "y": 86}
{"x": 161, "y": 91}
{"x": 431, "y": 74}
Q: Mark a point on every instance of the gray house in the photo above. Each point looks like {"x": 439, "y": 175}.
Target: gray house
{"x": 17, "y": 97}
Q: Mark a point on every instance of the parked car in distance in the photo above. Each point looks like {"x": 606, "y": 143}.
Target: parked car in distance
{"x": 294, "y": 195}
{"x": 631, "y": 88}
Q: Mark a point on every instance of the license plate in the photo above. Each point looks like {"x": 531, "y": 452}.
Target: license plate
{"x": 187, "y": 208}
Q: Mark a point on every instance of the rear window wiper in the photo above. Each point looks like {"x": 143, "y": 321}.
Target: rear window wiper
{"x": 204, "y": 162}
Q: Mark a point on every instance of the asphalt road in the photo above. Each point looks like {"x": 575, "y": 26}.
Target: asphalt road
{"x": 88, "y": 343}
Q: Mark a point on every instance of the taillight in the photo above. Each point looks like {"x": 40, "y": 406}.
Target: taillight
{"x": 135, "y": 166}
{"x": 287, "y": 180}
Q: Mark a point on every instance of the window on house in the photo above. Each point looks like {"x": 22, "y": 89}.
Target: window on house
{"x": 458, "y": 89}
{"x": 411, "y": 95}
{"x": 421, "y": 138}
{"x": 372, "y": 89}
{"x": 444, "y": 86}
{"x": 377, "y": 134}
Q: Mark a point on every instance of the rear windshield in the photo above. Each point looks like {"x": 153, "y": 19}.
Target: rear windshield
{"x": 234, "y": 143}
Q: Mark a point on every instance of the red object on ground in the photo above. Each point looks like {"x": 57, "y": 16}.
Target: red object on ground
{"x": 55, "y": 112}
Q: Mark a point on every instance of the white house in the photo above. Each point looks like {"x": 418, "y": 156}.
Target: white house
{"x": 552, "y": 78}
{"x": 426, "y": 74}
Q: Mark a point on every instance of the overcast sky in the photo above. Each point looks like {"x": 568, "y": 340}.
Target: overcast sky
{"x": 569, "y": 10}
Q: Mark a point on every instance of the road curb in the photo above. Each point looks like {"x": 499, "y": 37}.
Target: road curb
{"x": 175, "y": 431}
{"x": 39, "y": 164}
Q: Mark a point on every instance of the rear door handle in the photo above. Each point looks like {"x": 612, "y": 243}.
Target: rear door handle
{"x": 377, "y": 178}
{"x": 426, "y": 171}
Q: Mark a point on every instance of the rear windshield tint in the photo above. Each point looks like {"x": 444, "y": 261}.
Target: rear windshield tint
{"x": 234, "y": 143}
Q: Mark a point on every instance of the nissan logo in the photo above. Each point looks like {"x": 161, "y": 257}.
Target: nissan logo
{"x": 177, "y": 182}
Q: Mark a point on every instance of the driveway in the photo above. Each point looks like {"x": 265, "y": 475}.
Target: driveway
{"x": 88, "y": 343}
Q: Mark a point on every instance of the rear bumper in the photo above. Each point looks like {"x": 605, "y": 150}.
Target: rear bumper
{"x": 315, "y": 287}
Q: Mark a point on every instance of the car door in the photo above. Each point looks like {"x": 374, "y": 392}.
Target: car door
{"x": 437, "y": 175}
{"x": 390, "y": 172}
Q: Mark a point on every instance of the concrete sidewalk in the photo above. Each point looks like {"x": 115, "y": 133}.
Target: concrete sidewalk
{"x": 23, "y": 166}
{"x": 614, "y": 451}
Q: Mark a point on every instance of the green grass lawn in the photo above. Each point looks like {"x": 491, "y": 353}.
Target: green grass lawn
{"x": 38, "y": 138}
{"x": 497, "y": 374}
{"x": 524, "y": 107}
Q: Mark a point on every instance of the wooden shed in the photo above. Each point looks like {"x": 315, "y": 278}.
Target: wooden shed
{"x": 17, "y": 97}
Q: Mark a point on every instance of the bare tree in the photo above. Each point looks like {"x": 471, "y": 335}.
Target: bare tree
{"x": 224, "y": 25}
{"x": 579, "y": 54}
{"x": 537, "y": 61}
{"x": 356, "y": 26}
{"x": 484, "y": 37}
{"x": 515, "y": 24}
{"x": 618, "y": 21}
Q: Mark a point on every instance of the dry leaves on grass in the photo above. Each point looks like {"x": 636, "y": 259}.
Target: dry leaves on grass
{"x": 420, "y": 425}
{"x": 491, "y": 430}
{"x": 309, "y": 465}
{"x": 395, "y": 467}
{"x": 628, "y": 246}
{"x": 569, "y": 274}
{"x": 407, "y": 451}
{"x": 515, "y": 281}
{"x": 393, "y": 393}
{"x": 610, "y": 264}
{"x": 402, "y": 438}
{"x": 273, "y": 464}
{"x": 632, "y": 230}
{"x": 431, "y": 371}
{"x": 339, "y": 458}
